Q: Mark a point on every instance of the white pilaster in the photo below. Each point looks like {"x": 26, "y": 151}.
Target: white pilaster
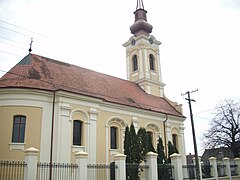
{"x": 168, "y": 132}
{"x": 146, "y": 62}
{"x": 159, "y": 68}
{"x": 135, "y": 123}
{"x": 182, "y": 139}
{"x": 46, "y": 136}
{"x": 107, "y": 144}
{"x": 93, "y": 136}
{"x": 128, "y": 66}
{"x": 141, "y": 72}
{"x": 64, "y": 138}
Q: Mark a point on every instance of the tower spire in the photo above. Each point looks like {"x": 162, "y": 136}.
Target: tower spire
{"x": 141, "y": 26}
{"x": 139, "y": 5}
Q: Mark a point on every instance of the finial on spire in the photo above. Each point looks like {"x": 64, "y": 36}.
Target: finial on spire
{"x": 30, "y": 49}
{"x": 140, "y": 4}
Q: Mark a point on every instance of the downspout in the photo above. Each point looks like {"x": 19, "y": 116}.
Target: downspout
{"x": 51, "y": 148}
{"x": 164, "y": 131}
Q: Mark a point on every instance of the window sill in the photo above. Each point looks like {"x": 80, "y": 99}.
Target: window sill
{"x": 16, "y": 146}
{"x": 114, "y": 151}
{"x": 153, "y": 71}
{"x": 76, "y": 148}
{"x": 134, "y": 73}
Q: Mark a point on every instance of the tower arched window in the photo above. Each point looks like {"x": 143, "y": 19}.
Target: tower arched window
{"x": 152, "y": 62}
{"x": 77, "y": 132}
{"x": 134, "y": 63}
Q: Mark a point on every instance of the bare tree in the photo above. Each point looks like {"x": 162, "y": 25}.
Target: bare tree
{"x": 225, "y": 127}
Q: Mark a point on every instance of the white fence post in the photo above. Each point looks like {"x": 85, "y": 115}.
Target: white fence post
{"x": 121, "y": 166}
{"x": 31, "y": 156}
{"x": 200, "y": 166}
{"x": 226, "y": 162}
{"x": 176, "y": 161}
{"x": 237, "y": 161}
{"x": 151, "y": 158}
{"x": 81, "y": 161}
{"x": 213, "y": 163}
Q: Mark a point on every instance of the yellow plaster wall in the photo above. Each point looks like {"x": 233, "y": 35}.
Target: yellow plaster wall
{"x": 103, "y": 118}
{"x": 32, "y": 129}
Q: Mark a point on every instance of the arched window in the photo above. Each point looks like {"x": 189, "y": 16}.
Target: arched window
{"x": 150, "y": 133}
{"x": 114, "y": 135}
{"x": 134, "y": 63}
{"x": 152, "y": 62}
{"x": 18, "y": 133}
{"x": 153, "y": 130}
{"x": 77, "y": 132}
{"x": 175, "y": 140}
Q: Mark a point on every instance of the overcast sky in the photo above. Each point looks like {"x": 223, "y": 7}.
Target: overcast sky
{"x": 200, "y": 43}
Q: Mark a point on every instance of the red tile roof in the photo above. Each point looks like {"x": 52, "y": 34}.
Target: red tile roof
{"x": 42, "y": 73}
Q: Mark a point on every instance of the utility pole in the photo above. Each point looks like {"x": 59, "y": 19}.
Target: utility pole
{"x": 193, "y": 132}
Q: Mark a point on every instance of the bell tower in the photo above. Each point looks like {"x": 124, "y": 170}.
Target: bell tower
{"x": 142, "y": 55}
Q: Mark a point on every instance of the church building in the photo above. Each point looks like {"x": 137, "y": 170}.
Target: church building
{"x": 61, "y": 109}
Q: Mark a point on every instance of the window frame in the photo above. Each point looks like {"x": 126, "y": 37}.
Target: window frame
{"x": 114, "y": 139}
{"x": 175, "y": 140}
{"x": 134, "y": 63}
{"x": 77, "y": 134}
{"x": 19, "y": 128}
{"x": 152, "y": 65}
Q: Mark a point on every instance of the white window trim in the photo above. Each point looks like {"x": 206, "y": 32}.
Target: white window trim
{"x": 76, "y": 148}
{"x": 114, "y": 151}
{"x": 16, "y": 146}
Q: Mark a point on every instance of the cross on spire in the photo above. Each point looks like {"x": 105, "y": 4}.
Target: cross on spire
{"x": 140, "y": 4}
{"x": 30, "y": 49}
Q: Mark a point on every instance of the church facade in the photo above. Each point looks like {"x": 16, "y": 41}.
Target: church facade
{"x": 61, "y": 109}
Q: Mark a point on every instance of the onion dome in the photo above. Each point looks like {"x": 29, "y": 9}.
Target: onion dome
{"x": 141, "y": 26}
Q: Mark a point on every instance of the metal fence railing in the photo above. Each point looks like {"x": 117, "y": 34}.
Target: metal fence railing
{"x": 221, "y": 168}
{"x": 136, "y": 170}
{"x": 189, "y": 171}
{"x": 165, "y": 172}
{"x": 101, "y": 171}
{"x": 234, "y": 169}
{"x": 60, "y": 171}
{"x": 206, "y": 170}
{"x": 13, "y": 170}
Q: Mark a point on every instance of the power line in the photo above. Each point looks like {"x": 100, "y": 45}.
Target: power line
{"x": 204, "y": 111}
{"x": 12, "y": 40}
{"x": 12, "y": 45}
{"x": 14, "y": 31}
{"x": 9, "y": 54}
{"x": 39, "y": 34}
{"x": 23, "y": 28}
{"x": 203, "y": 118}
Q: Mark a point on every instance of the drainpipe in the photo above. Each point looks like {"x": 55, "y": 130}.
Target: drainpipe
{"x": 164, "y": 131}
{"x": 51, "y": 148}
